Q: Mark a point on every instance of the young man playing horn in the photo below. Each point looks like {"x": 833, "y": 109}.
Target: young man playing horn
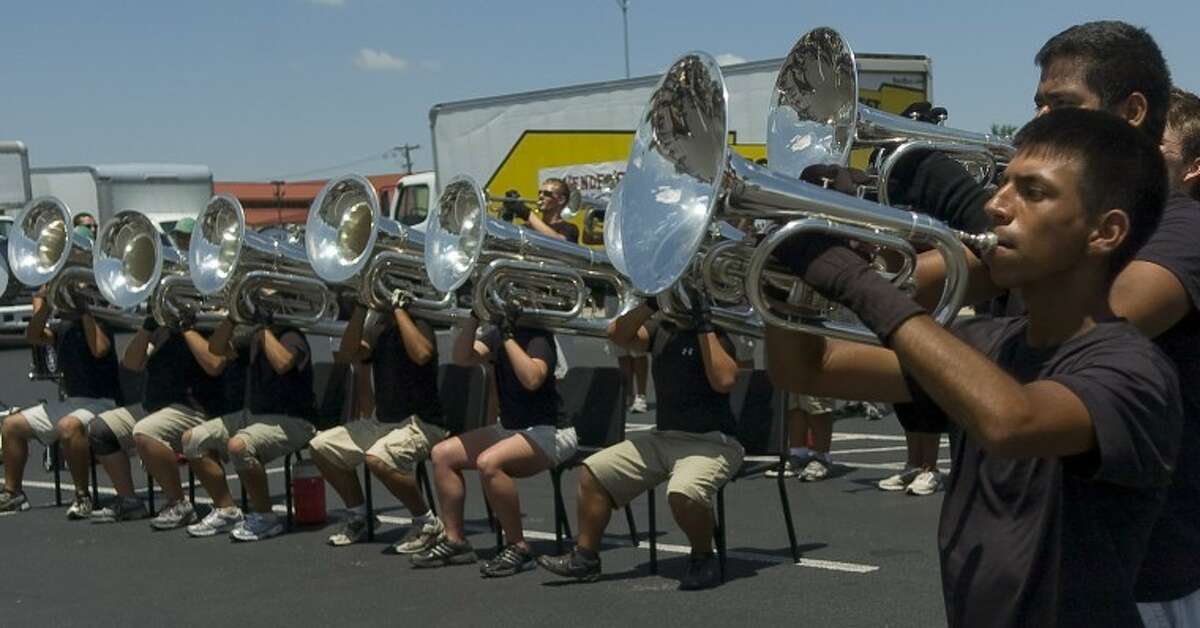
{"x": 552, "y": 200}
{"x": 184, "y": 383}
{"x": 693, "y": 447}
{"x": 1117, "y": 68}
{"x": 399, "y": 424}
{"x": 89, "y": 381}
{"x": 1067, "y": 417}
{"x": 525, "y": 441}
{"x": 277, "y": 421}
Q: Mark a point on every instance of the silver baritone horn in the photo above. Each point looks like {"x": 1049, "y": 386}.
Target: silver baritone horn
{"x": 682, "y": 177}
{"x": 815, "y": 118}
{"x": 251, "y": 271}
{"x": 551, "y": 278}
{"x": 355, "y": 248}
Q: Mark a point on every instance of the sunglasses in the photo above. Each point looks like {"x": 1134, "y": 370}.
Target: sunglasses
{"x": 542, "y": 193}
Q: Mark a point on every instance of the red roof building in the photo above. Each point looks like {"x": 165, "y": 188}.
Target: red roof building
{"x": 277, "y": 202}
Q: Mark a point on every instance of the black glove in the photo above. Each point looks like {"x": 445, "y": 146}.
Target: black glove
{"x": 263, "y": 317}
{"x": 187, "y": 317}
{"x": 518, "y": 209}
{"x": 834, "y": 177}
{"x": 842, "y": 275}
{"x": 701, "y": 311}
{"x": 512, "y": 315}
{"x": 925, "y": 112}
{"x": 150, "y": 324}
{"x": 651, "y": 303}
{"x": 933, "y": 183}
{"x": 401, "y": 299}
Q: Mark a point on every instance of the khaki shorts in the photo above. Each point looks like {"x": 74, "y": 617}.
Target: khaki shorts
{"x": 43, "y": 418}
{"x": 400, "y": 445}
{"x": 168, "y": 425}
{"x": 558, "y": 445}
{"x": 267, "y": 437}
{"x": 121, "y": 422}
{"x": 696, "y": 465}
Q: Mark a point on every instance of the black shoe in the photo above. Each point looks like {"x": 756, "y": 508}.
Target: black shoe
{"x": 511, "y": 560}
{"x": 445, "y": 552}
{"x": 704, "y": 572}
{"x": 572, "y": 565}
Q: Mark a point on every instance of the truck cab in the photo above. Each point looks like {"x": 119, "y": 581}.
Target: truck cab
{"x": 408, "y": 203}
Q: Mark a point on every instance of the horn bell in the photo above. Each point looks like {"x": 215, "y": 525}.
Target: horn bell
{"x": 127, "y": 259}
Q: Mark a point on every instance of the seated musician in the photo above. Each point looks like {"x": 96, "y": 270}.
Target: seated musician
{"x": 83, "y": 347}
{"x": 399, "y": 423}
{"x": 692, "y": 448}
{"x": 524, "y": 442}
{"x": 277, "y": 421}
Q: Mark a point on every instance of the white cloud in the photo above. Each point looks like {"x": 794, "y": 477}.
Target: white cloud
{"x": 379, "y": 60}
{"x": 728, "y": 58}
{"x": 328, "y": 3}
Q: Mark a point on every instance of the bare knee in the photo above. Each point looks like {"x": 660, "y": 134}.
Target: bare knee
{"x": 15, "y": 426}
{"x": 682, "y": 503}
{"x": 238, "y": 448}
{"x": 591, "y": 490}
{"x": 377, "y": 465}
{"x": 443, "y": 455}
{"x": 489, "y": 465}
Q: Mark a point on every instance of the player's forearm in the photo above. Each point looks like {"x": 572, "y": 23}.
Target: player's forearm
{"x": 530, "y": 372}
{"x": 416, "y": 345}
{"x": 719, "y": 367}
{"x": 212, "y": 364}
{"x": 624, "y": 331}
{"x": 280, "y": 357}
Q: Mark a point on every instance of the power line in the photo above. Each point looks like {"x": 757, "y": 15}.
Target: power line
{"x": 391, "y": 153}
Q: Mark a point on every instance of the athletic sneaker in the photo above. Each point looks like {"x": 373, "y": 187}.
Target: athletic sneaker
{"x": 420, "y": 537}
{"x": 12, "y": 503}
{"x": 81, "y": 508}
{"x": 704, "y": 572}
{"x": 445, "y": 552}
{"x": 511, "y": 560}
{"x": 573, "y": 564}
{"x": 217, "y": 521}
{"x": 257, "y": 526}
{"x": 926, "y": 483}
{"x": 816, "y": 470}
{"x": 873, "y": 412}
{"x": 791, "y": 468}
{"x": 176, "y": 515}
{"x": 639, "y": 404}
{"x": 353, "y": 530}
{"x": 900, "y": 481}
{"x": 121, "y": 509}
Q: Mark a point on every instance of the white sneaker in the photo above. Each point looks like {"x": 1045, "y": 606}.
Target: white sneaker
{"x": 926, "y": 483}
{"x": 816, "y": 470}
{"x": 81, "y": 508}
{"x": 420, "y": 537}
{"x": 639, "y": 404}
{"x": 215, "y": 522}
{"x": 256, "y": 527}
{"x": 900, "y": 481}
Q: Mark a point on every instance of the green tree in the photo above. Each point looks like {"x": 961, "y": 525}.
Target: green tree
{"x": 1006, "y": 131}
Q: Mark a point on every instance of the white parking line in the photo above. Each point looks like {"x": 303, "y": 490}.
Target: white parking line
{"x": 892, "y": 466}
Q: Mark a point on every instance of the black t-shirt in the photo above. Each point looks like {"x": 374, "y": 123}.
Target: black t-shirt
{"x": 1171, "y": 568}
{"x": 1058, "y": 542}
{"x": 686, "y": 401}
{"x": 290, "y": 393}
{"x": 84, "y": 375}
{"x": 402, "y": 387}
{"x": 521, "y": 408}
{"x": 171, "y": 372}
{"x": 567, "y": 230}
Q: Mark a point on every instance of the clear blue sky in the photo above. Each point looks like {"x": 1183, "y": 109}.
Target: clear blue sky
{"x": 259, "y": 89}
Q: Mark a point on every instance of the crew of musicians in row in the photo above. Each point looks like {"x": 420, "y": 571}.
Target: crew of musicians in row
{"x": 1074, "y": 497}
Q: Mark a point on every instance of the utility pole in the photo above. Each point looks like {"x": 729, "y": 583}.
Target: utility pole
{"x": 407, "y": 149}
{"x": 624, "y": 6}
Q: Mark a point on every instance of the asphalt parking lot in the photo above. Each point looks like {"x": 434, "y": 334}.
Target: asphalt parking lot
{"x": 868, "y": 558}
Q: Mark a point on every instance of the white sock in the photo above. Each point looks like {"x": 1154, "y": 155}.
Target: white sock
{"x": 230, "y": 511}
{"x": 359, "y": 510}
{"x": 423, "y": 519}
{"x": 799, "y": 452}
{"x": 825, "y": 456}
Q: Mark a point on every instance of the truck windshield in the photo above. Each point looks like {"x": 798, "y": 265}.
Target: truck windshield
{"x": 413, "y": 205}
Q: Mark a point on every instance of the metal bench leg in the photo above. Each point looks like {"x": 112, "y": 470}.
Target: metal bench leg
{"x": 653, "y": 532}
{"x": 54, "y": 462}
{"x": 150, "y": 491}
{"x": 427, "y": 485}
{"x": 245, "y": 499}
{"x": 720, "y": 531}
{"x": 632, "y": 526}
{"x": 287, "y": 492}
{"x": 95, "y": 480}
{"x": 370, "y": 503}
{"x": 560, "y": 514}
{"x": 191, "y": 485}
{"x": 787, "y": 517}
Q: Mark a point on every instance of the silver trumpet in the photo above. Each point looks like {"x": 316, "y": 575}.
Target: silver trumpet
{"x": 815, "y": 118}
{"x": 250, "y": 271}
{"x": 681, "y": 178}
{"x": 551, "y": 278}
{"x": 355, "y": 248}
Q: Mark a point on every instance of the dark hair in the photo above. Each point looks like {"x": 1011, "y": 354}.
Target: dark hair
{"x": 1117, "y": 59}
{"x": 1120, "y": 167}
{"x": 1184, "y": 119}
{"x": 78, "y": 219}
{"x": 563, "y": 188}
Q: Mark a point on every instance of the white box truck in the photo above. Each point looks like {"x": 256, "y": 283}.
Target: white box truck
{"x": 583, "y": 133}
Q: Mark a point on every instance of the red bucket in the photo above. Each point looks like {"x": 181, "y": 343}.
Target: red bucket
{"x": 308, "y": 493}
